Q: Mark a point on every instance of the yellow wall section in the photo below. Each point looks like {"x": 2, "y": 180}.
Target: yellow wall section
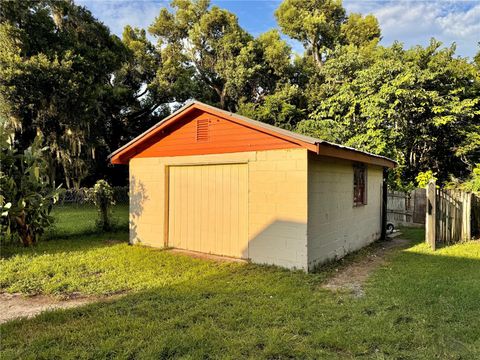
{"x": 277, "y": 202}
{"x": 335, "y": 226}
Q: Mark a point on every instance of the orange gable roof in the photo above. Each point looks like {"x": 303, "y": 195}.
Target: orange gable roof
{"x": 197, "y": 128}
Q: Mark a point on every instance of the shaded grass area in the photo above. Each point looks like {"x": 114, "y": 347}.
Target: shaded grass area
{"x": 74, "y": 220}
{"x": 70, "y": 257}
{"x": 98, "y": 265}
{"x": 420, "y": 305}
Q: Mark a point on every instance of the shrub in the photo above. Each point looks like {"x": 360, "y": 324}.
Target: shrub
{"x": 424, "y": 177}
{"x": 26, "y": 198}
{"x": 471, "y": 184}
{"x": 102, "y": 196}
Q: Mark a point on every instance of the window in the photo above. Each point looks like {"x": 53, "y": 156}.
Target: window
{"x": 359, "y": 185}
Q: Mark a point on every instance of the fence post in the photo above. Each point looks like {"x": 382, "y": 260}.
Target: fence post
{"x": 383, "y": 235}
{"x": 467, "y": 217}
{"x": 430, "y": 214}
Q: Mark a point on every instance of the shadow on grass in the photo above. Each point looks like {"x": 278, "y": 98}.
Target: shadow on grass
{"x": 55, "y": 234}
{"x": 419, "y": 306}
{"x": 74, "y": 230}
{"x": 75, "y": 220}
{"x": 74, "y": 243}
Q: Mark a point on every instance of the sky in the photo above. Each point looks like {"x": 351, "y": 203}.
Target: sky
{"x": 412, "y": 22}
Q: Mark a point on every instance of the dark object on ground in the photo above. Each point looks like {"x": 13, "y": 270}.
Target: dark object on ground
{"x": 390, "y": 228}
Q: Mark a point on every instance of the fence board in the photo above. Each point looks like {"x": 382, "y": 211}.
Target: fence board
{"x": 449, "y": 216}
{"x": 475, "y": 215}
{"x": 405, "y": 208}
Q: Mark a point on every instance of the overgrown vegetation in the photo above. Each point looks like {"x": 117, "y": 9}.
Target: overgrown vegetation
{"x": 419, "y": 305}
{"x": 63, "y": 72}
{"x": 27, "y": 199}
{"x": 472, "y": 183}
{"x": 26, "y": 196}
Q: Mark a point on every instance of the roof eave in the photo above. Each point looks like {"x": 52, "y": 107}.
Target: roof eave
{"x": 346, "y": 153}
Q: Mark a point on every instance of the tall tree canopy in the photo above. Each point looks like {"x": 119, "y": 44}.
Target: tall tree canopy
{"x": 64, "y": 74}
{"x": 56, "y": 64}
{"x": 89, "y": 92}
{"x": 359, "y": 31}
{"x": 419, "y": 106}
{"x": 221, "y": 62}
{"x": 210, "y": 43}
{"x": 315, "y": 23}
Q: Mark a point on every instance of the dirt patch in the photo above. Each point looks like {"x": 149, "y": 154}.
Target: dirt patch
{"x": 352, "y": 277}
{"x": 14, "y": 306}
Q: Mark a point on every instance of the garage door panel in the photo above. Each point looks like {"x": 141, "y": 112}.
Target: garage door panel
{"x": 208, "y": 208}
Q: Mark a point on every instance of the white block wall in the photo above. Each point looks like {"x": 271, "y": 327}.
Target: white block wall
{"x": 335, "y": 226}
{"x": 278, "y": 208}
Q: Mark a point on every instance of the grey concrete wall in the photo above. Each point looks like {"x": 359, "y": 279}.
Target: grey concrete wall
{"x": 335, "y": 226}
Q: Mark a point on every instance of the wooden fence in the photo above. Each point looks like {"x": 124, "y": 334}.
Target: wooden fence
{"x": 475, "y": 213}
{"x": 406, "y": 208}
{"x": 449, "y": 216}
{"x": 80, "y": 197}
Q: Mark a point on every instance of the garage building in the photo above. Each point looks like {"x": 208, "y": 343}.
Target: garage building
{"x": 207, "y": 180}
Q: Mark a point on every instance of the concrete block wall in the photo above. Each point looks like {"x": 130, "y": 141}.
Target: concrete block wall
{"x": 147, "y": 189}
{"x": 335, "y": 226}
{"x": 277, "y": 204}
{"x": 278, "y": 208}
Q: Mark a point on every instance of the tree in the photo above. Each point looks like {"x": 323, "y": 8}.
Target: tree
{"x": 56, "y": 67}
{"x": 210, "y": 43}
{"x": 26, "y": 198}
{"x": 473, "y": 181}
{"x": 280, "y": 108}
{"x": 476, "y": 58}
{"x": 135, "y": 98}
{"x": 359, "y": 31}
{"x": 315, "y": 23}
{"x": 418, "y": 106}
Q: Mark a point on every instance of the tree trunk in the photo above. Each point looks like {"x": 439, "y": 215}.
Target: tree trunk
{"x": 221, "y": 92}
{"x": 25, "y": 235}
{"x": 52, "y": 170}
{"x": 222, "y": 101}
{"x": 105, "y": 217}
{"x": 317, "y": 57}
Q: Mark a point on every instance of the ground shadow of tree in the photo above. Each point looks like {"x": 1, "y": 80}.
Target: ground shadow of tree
{"x": 418, "y": 307}
{"x": 79, "y": 243}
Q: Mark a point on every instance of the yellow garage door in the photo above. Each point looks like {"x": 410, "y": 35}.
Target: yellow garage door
{"x": 208, "y": 209}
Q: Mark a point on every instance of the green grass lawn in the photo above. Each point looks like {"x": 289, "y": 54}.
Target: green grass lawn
{"x": 73, "y": 220}
{"x": 420, "y": 305}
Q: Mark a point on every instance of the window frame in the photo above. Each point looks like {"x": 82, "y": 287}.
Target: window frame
{"x": 364, "y": 168}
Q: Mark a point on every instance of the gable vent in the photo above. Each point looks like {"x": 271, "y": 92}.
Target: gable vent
{"x": 202, "y": 130}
